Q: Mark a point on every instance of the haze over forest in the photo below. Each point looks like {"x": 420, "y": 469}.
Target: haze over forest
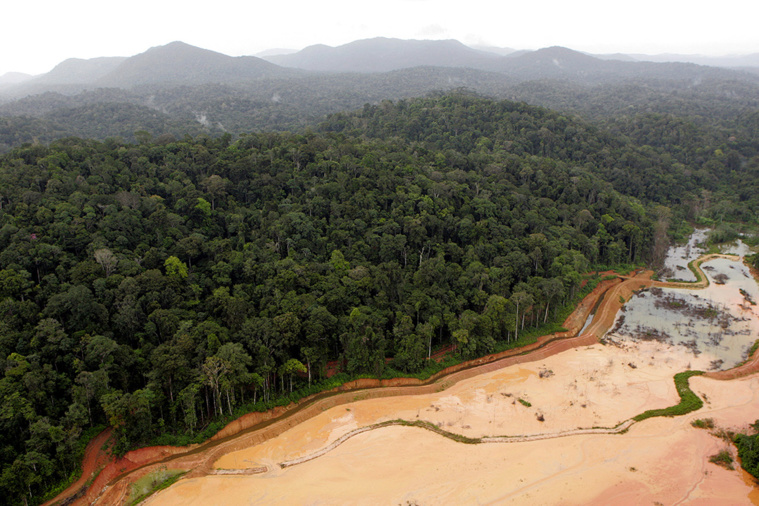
{"x": 187, "y": 236}
{"x": 181, "y": 89}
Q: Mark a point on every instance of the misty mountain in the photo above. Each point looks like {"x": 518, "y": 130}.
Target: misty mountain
{"x": 730, "y": 61}
{"x": 275, "y": 52}
{"x": 173, "y": 64}
{"x": 178, "y": 88}
{"x": 562, "y": 63}
{"x": 614, "y": 56}
{"x": 69, "y": 77}
{"x": 79, "y": 71}
{"x": 383, "y": 55}
{"x": 180, "y": 63}
{"x": 13, "y": 78}
{"x": 501, "y": 51}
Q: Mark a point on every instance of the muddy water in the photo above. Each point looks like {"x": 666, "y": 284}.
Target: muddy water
{"x": 676, "y": 262}
{"x": 587, "y": 323}
{"x": 736, "y": 248}
{"x": 717, "y": 324}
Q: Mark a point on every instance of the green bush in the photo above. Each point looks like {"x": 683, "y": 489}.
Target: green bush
{"x": 689, "y": 401}
{"x": 748, "y": 451}
{"x": 706, "y": 423}
{"x": 723, "y": 458}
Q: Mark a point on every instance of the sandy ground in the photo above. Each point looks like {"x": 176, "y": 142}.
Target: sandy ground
{"x": 583, "y": 388}
{"x": 661, "y": 460}
{"x": 405, "y": 465}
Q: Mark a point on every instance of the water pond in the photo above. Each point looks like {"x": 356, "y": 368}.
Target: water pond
{"x": 678, "y": 257}
{"x": 718, "y": 324}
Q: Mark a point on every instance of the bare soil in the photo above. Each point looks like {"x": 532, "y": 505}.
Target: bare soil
{"x": 112, "y": 484}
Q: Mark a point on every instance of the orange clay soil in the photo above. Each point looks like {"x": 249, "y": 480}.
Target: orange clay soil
{"x": 95, "y": 459}
{"x": 662, "y": 460}
{"x": 112, "y": 485}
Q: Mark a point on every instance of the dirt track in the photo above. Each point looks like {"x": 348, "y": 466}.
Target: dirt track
{"x": 112, "y": 485}
{"x": 498, "y": 439}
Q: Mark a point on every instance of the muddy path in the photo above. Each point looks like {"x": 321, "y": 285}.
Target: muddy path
{"x": 111, "y": 486}
{"x": 95, "y": 458}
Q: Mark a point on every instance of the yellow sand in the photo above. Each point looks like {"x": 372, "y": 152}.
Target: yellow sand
{"x": 660, "y": 459}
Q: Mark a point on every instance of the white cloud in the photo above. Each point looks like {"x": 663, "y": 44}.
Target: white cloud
{"x": 432, "y": 31}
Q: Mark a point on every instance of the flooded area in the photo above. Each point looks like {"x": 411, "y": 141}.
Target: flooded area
{"x": 737, "y": 247}
{"x": 678, "y": 257}
{"x": 718, "y": 324}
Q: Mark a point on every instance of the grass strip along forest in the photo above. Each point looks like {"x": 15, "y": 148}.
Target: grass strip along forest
{"x": 164, "y": 287}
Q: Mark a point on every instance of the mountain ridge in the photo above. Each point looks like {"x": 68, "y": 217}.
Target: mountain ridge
{"x": 381, "y": 54}
{"x": 179, "y": 62}
{"x": 214, "y": 93}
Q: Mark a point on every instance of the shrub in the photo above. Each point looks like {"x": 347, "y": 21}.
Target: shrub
{"x": 706, "y": 423}
{"x": 723, "y": 458}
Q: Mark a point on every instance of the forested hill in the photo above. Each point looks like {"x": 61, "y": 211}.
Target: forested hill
{"x": 156, "y": 286}
{"x": 178, "y": 89}
{"x": 654, "y": 157}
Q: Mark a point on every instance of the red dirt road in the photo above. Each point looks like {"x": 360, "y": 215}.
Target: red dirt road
{"x": 95, "y": 458}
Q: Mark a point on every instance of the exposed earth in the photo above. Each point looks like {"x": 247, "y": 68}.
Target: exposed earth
{"x": 554, "y": 426}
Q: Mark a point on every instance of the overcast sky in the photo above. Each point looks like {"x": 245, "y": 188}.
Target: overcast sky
{"x": 35, "y": 36}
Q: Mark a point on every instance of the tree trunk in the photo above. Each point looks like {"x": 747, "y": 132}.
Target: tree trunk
{"x": 516, "y": 324}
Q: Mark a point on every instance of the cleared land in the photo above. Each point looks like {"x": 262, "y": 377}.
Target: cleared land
{"x": 593, "y": 386}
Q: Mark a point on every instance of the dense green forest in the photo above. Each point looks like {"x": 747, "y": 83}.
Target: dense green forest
{"x": 157, "y": 286}
{"x": 748, "y": 449}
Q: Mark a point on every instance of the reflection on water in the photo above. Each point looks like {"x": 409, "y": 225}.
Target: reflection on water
{"x": 676, "y": 263}
{"x": 717, "y": 324}
{"x": 587, "y": 323}
{"x": 736, "y": 248}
